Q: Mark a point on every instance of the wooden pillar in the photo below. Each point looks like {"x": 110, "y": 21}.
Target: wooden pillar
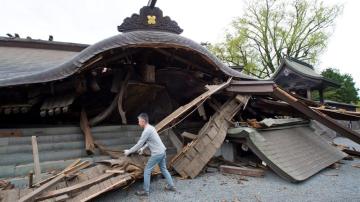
{"x": 37, "y": 168}
{"x": 308, "y": 94}
{"x": 321, "y": 96}
{"x": 85, "y": 128}
{"x": 148, "y": 73}
{"x": 121, "y": 97}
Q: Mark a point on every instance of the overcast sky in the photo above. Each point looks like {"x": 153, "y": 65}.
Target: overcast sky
{"x": 89, "y": 21}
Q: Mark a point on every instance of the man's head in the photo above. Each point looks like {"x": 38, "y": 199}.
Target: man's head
{"x": 143, "y": 119}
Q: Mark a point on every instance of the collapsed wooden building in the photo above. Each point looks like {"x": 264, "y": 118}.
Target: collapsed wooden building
{"x": 82, "y": 101}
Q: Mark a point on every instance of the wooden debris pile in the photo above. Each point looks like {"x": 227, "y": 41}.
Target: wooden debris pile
{"x": 82, "y": 181}
{"x": 5, "y": 185}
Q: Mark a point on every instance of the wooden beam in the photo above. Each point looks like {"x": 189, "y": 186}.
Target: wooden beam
{"x": 316, "y": 115}
{"x": 108, "y": 188}
{"x": 183, "y": 109}
{"x": 37, "y": 169}
{"x": 76, "y": 187}
{"x": 89, "y": 140}
{"x": 115, "y": 171}
{"x": 38, "y": 191}
{"x": 121, "y": 97}
{"x": 61, "y": 198}
{"x": 67, "y": 169}
{"x": 31, "y": 196}
{"x": 245, "y": 171}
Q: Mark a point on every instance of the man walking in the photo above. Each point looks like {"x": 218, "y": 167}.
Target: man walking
{"x": 150, "y": 138}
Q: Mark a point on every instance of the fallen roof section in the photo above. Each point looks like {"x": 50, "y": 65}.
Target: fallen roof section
{"x": 316, "y": 115}
{"x": 293, "y": 152}
{"x": 194, "y": 157}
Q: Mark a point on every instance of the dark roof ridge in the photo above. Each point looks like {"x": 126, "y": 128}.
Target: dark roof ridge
{"x": 41, "y": 44}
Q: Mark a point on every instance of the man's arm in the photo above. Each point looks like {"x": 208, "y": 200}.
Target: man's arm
{"x": 144, "y": 136}
{"x": 144, "y": 147}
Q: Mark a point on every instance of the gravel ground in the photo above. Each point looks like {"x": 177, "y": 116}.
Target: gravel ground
{"x": 328, "y": 185}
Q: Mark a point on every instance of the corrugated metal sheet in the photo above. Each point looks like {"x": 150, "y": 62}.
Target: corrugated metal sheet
{"x": 293, "y": 152}
{"x": 62, "y": 69}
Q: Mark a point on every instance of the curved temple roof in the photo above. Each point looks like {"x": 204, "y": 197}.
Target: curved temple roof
{"x": 156, "y": 39}
{"x": 302, "y": 75}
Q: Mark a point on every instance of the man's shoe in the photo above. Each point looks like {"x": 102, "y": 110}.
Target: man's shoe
{"x": 170, "y": 188}
{"x": 142, "y": 193}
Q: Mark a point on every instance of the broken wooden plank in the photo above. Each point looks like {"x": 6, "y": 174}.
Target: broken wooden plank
{"x": 89, "y": 140}
{"x": 77, "y": 167}
{"x": 31, "y": 196}
{"x": 115, "y": 182}
{"x": 197, "y": 154}
{"x": 76, "y": 187}
{"x": 61, "y": 198}
{"x": 67, "y": 168}
{"x": 183, "y": 109}
{"x": 115, "y": 171}
{"x": 35, "y": 150}
{"x": 73, "y": 166}
{"x": 245, "y": 171}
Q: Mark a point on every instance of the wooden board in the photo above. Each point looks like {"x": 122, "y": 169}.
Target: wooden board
{"x": 38, "y": 191}
{"x": 183, "y": 109}
{"x": 102, "y": 187}
{"x": 252, "y": 172}
{"x": 76, "y": 187}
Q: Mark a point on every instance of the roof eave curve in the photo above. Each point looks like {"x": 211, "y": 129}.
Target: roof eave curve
{"x": 145, "y": 38}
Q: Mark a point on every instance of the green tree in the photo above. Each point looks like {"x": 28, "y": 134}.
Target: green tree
{"x": 270, "y": 29}
{"x": 347, "y": 93}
